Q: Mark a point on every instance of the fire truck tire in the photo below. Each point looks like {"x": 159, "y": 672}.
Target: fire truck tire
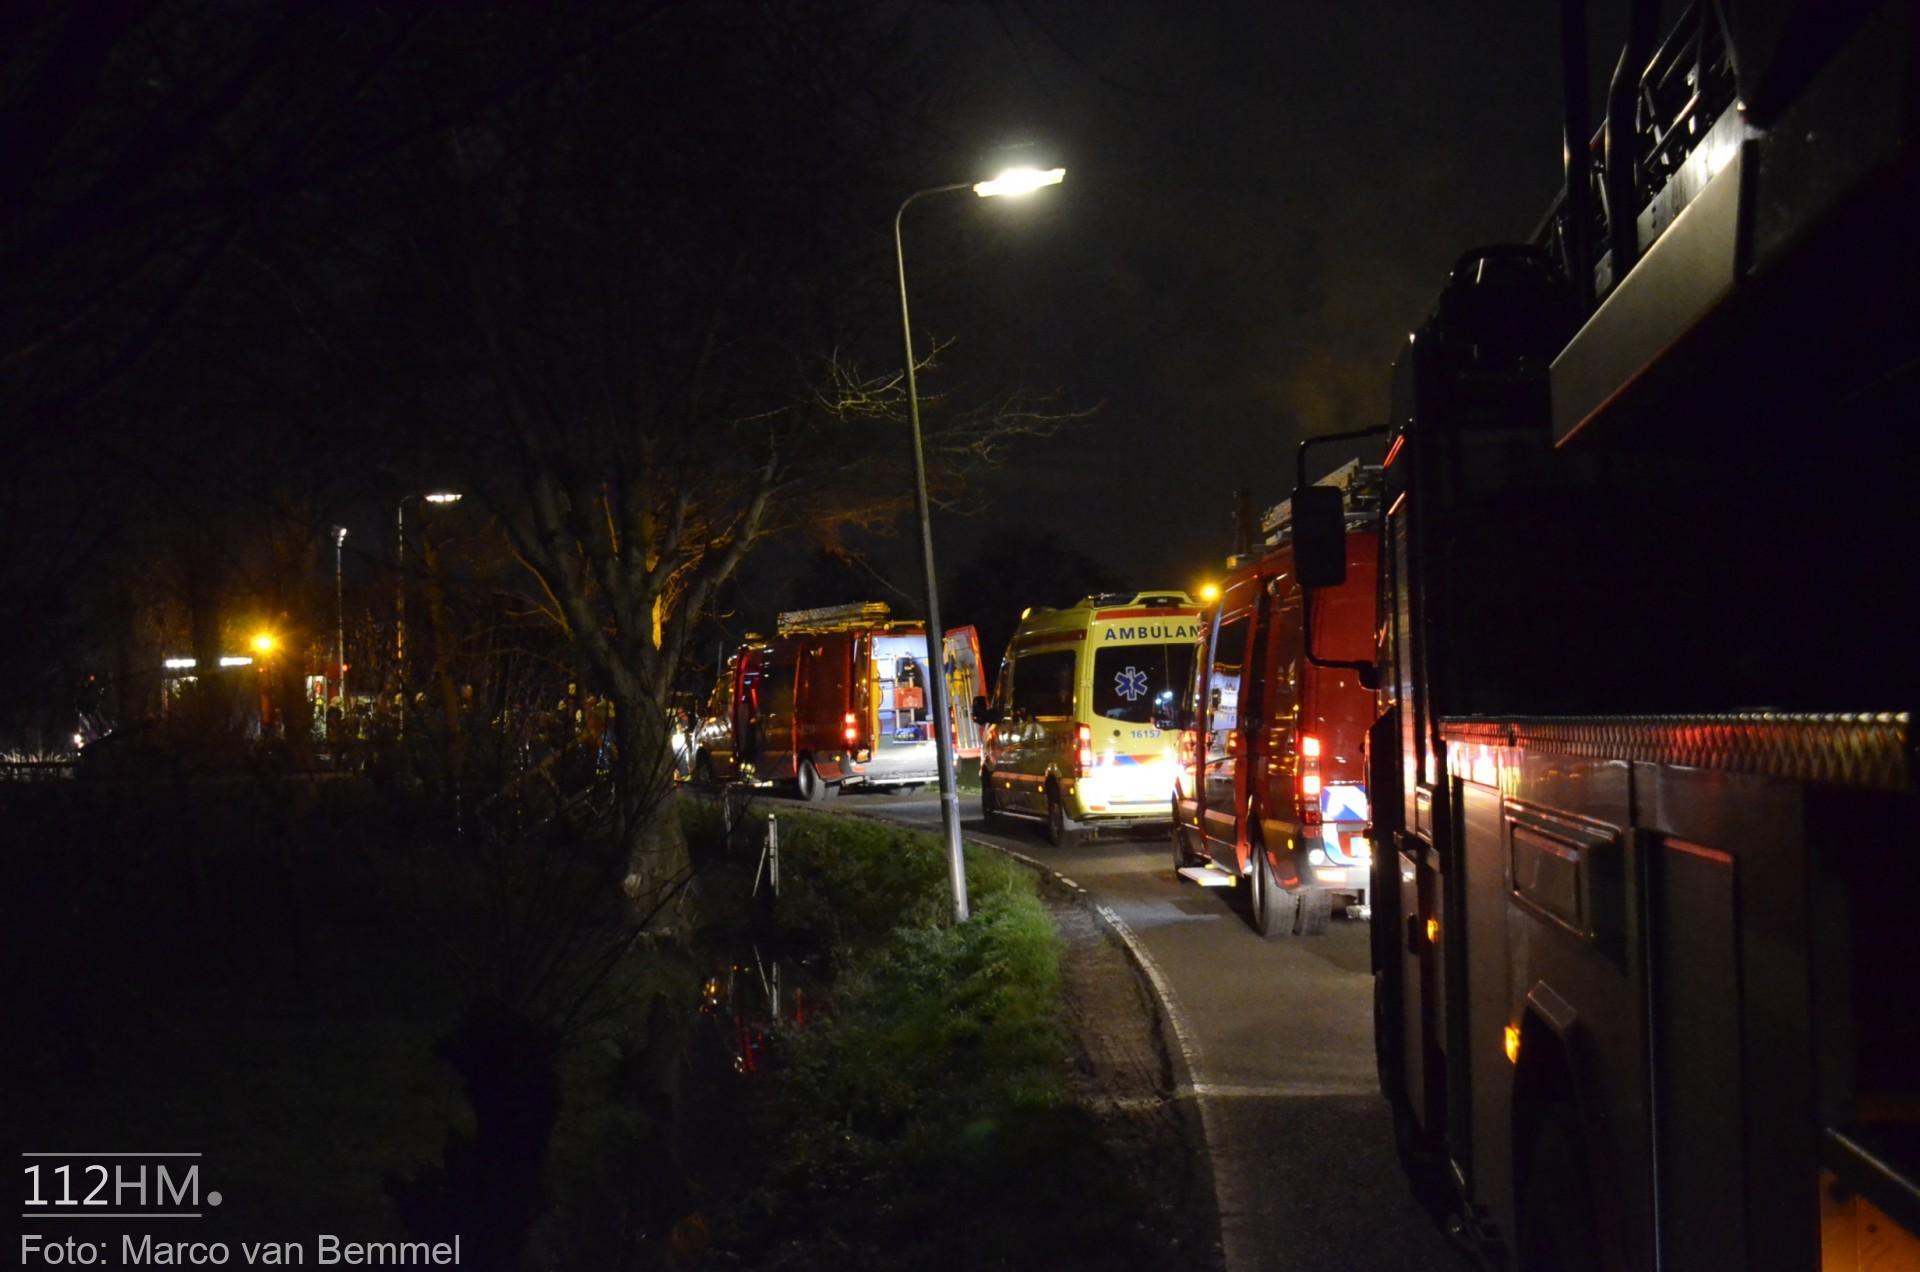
{"x": 1557, "y": 1229}
{"x": 813, "y": 787}
{"x": 1315, "y": 911}
{"x": 1275, "y": 910}
{"x": 1388, "y": 1045}
{"x": 1059, "y": 830}
{"x": 1182, "y": 855}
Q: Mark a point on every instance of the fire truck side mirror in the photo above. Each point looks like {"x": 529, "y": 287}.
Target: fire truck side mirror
{"x": 1319, "y": 536}
{"x": 985, "y": 712}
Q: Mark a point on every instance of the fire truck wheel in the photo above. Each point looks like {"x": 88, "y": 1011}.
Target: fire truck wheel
{"x": 1316, "y": 910}
{"x": 1275, "y": 910}
{"x": 1425, "y": 1167}
{"x": 1557, "y": 1231}
{"x": 1059, "y": 829}
{"x": 1182, "y": 855}
{"x": 813, "y": 787}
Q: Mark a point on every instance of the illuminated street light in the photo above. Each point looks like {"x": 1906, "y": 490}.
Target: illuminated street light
{"x": 1014, "y": 182}
{"x": 339, "y": 623}
{"x": 263, "y": 643}
{"x": 1209, "y": 593}
{"x": 442, "y": 496}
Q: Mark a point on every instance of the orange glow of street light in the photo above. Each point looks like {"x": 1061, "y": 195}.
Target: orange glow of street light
{"x": 264, "y": 643}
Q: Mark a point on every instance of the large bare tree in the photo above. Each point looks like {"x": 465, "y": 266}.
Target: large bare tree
{"x": 666, "y": 273}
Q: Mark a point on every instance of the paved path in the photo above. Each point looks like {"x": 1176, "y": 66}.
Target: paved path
{"x": 1277, "y": 1043}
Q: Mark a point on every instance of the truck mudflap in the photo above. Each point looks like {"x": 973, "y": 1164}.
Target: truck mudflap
{"x": 1871, "y": 751}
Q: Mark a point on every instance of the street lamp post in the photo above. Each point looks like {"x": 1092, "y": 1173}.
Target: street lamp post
{"x": 263, "y": 644}
{"x": 1017, "y": 181}
{"x": 400, "y": 588}
{"x": 339, "y": 623}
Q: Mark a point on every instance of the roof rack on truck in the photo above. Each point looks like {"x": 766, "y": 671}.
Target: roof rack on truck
{"x": 833, "y": 618}
{"x": 1144, "y": 600}
{"x": 1683, "y": 116}
{"x": 1359, "y": 483}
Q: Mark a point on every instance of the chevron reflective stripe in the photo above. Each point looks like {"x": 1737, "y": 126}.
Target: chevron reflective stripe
{"x": 1344, "y": 802}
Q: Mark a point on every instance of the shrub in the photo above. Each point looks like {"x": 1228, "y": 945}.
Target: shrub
{"x": 926, "y": 1123}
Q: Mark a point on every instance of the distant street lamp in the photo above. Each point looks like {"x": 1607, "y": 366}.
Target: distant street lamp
{"x": 339, "y": 622}
{"x": 400, "y": 585}
{"x": 1016, "y": 181}
{"x": 264, "y": 644}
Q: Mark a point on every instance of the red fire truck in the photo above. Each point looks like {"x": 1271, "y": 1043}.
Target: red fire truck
{"x": 1271, "y": 786}
{"x": 839, "y": 697}
{"x": 1644, "y": 773}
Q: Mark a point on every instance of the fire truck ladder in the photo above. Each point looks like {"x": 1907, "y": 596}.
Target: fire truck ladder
{"x": 833, "y": 618}
{"x": 1360, "y": 486}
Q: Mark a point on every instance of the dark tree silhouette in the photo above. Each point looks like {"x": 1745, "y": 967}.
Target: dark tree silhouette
{"x": 647, "y": 281}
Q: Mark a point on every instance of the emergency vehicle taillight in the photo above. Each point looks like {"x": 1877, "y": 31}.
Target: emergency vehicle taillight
{"x": 1309, "y": 777}
{"x": 1083, "y": 753}
{"x": 852, "y": 731}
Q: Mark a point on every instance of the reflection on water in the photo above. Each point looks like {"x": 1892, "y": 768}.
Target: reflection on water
{"x": 750, "y": 997}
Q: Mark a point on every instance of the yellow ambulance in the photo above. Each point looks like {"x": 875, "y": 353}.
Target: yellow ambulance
{"x": 1069, "y": 735}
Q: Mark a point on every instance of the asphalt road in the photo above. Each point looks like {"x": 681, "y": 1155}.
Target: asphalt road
{"x": 1277, "y": 1043}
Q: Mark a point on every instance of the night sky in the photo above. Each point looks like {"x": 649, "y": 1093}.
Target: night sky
{"x": 1261, "y": 200}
